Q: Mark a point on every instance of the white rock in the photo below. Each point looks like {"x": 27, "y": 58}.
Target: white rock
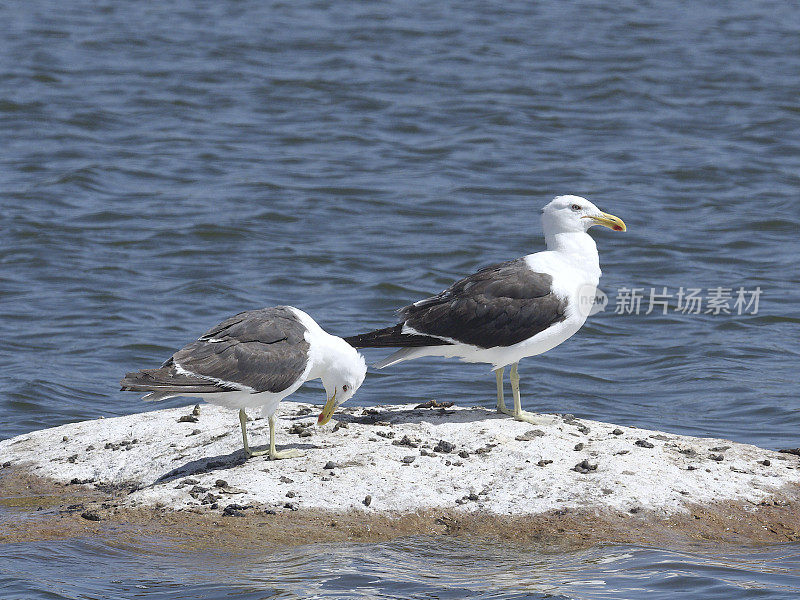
{"x": 155, "y": 453}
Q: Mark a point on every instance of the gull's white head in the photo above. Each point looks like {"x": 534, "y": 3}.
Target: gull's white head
{"x": 573, "y": 214}
{"x": 344, "y": 375}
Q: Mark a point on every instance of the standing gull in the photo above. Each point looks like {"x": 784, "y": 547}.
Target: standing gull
{"x": 510, "y": 310}
{"x": 257, "y": 358}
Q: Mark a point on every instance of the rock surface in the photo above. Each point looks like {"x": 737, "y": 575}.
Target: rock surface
{"x": 398, "y": 460}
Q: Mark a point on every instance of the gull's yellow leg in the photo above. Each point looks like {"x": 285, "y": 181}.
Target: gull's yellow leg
{"x": 514, "y": 377}
{"x": 501, "y": 403}
{"x": 243, "y": 422}
{"x": 273, "y": 453}
{"x": 519, "y": 414}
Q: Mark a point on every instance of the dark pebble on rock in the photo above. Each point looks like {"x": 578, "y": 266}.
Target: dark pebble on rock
{"x": 434, "y": 404}
{"x": 584, "y": 429}
{"x": 795, "y": 451}
{"x": 72, "y": 459}
{"x": 305, "y": 433}
{"x": 269, "y": 511}
{"x": 90, "y": 515}
{"x": 765, "y": 462}
{"x": 529, "y": 435}
{"x": 544, "y": 462}
{"x": 691, "y": 468}
{"x": 290, "y": 506}
{"x": 578, "y": 447}
{"x": 209, "y": 499}
{"x": 691, "y": 452}
{"x": 187, "y": 419}
{"x": 339, "y": 425}
{"x": 444, "y": 446}
{"x": 330, "y": 465}
{"x": 408, "y": 459}
{"x": 463, "y": 454}
{"x": 644, "y": 444}
{"x": 367, "y": 500}
{"x": 617, "y": 431}
{"x": 716, "y": 457}
{"x": 635, "y": 509}
{"x": 198, "y": 489}
{"x": 220, "y": 483}
{"x": 76, "y": 481}
{"x": 584, "y": 467}
{"x": 290, "y": 494}
{"x": 719, "y": 448}
{"x": 191, "y": 481}
{"x": 285, "y": 479}
{"x": 65, "y": 439}
{"x": 405, "y": 441}
{"x": 235, "y": 510}
{"x": 304, "y": 411}
{"x": 6, "y": 464}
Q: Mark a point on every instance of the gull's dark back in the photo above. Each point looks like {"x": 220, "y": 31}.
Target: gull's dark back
{"x": 262, "y": 350}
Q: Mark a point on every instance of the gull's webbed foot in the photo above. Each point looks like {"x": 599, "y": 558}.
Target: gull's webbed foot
{"x": 251, "y": 453}
{"x": 279, "y": 454}
{"x": 529, "y": 417}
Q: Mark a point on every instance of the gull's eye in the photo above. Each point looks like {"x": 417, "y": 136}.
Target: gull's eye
{"x": 345, "y": 387}
{"x": 576, "y": 207}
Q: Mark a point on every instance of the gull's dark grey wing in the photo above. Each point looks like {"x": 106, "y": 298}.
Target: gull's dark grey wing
{"x": 500, "y": 305}
{"x": 264, "y": 350}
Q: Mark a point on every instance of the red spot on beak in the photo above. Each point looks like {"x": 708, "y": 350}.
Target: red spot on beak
{"x": 319, "y": 419}
{"x": 617, "y": 228}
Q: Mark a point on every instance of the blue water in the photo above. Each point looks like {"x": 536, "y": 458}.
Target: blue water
{"x": 419, "y": 567}
{"x": 167, "y": 164}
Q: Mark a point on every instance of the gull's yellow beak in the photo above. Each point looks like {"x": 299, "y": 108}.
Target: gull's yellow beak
{"x": 610, "y": 221}
{"x": 327, "y": 410}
